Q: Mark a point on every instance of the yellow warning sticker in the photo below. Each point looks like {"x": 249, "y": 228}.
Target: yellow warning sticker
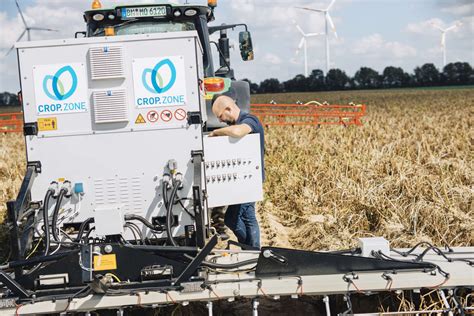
{"x": 47, "y": 124}
{"x": 105, "y": 262}
{"x": 140, "y": 119}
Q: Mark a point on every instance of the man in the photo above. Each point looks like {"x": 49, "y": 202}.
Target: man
{"x": 240, "y": 218}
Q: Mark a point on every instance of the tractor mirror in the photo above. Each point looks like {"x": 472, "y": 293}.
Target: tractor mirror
{"x": 246, "y": 48}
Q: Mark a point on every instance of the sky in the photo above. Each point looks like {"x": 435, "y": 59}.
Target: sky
{"x": 371, "y": 33}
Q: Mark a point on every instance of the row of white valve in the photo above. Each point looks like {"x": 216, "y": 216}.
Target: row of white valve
{"x": 226, "y": 177}
{"x": 228, "y": 163}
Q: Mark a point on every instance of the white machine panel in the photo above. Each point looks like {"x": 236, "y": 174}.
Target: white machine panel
{"x": 233, "y": 170}
{"x": 111, "y": 113}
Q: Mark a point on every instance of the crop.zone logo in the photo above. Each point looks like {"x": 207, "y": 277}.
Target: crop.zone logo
{"x": 56, "y": 89}
{"x": 60, "y": 88}
{"x": 156, "y": 77}
{"x": 159, "y": 81}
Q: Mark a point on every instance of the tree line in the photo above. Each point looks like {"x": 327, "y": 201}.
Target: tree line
{"x": 458, "y": 73}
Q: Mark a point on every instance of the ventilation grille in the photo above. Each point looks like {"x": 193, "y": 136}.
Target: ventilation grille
{"x": 124, "y": 191}
{"x": 110, "y": 106}
{"x": 106, "y": 62}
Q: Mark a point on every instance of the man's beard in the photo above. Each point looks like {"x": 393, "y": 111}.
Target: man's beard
{"x": 230, "y": 122}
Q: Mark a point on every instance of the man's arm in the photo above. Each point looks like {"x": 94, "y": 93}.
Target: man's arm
{"x": 236, "y": 131}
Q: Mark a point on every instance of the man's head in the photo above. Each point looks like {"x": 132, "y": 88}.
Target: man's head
{"x": 225, "y": 109}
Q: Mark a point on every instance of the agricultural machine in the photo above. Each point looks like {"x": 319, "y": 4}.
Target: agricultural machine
{"x": 114, "y": 208}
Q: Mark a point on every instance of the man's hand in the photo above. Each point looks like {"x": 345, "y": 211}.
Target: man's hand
{"x": 236, "y": 131}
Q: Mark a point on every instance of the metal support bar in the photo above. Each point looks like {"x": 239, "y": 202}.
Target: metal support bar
{"x": 192, "y": 267}
{"x": 15, "y": 211}
{"x": 255, "y": 304}
{"x": 209, "y": 308}
{"x": 13, "y": 286}
{"x": 197, "y": 189}
{"x": 326, "y": 304}
{"x": 445, "y": 301}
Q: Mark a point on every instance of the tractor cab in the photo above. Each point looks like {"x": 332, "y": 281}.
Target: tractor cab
{"x": 153, "y": 18}
{"x": 164, "y": 18}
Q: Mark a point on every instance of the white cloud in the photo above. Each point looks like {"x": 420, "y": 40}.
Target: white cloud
{"x": 272, "y": 59}
{"x": 464, "y": 8}
{"x": 424, "y": 27}
{"x": 375, "y": 46}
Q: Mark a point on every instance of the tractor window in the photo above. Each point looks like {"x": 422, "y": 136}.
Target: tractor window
{"x": 147, "y": 27}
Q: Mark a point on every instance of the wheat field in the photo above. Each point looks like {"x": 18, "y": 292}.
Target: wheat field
{"x": 406, "y": 174}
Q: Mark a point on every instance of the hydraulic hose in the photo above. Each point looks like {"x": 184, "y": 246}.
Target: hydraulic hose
{"x": 82, "y": 228}
{"x": 131, "y": 217}
{"x": 48, "y": 195}
{"x": 54, "y": 223}
{"x": 169, "y": 213}
{"x": 225, "y": 266}
{"x": 164, "y": 189}
{"x": 230, "y": 265}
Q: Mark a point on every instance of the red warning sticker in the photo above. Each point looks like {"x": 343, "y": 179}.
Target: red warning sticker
{"x": 166, "y": 115}
{"x": 152, "y": 116}
{"x": 180, "y": 114}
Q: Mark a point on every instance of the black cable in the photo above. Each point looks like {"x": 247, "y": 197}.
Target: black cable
{"x": 164, "y": 192}
{"x": 406, "y": 253}
{"x": 185, "y": 209}
{"x": 132, "y": 217}
{"x": 225, "y": 266}
{"x": 48, "y": 195}
{"x": 169, "y": 213}
{"x": 434, "y": 266}
{"x": 54, "y": 223}
{"x": 435, "y": 249}
{"x": 82, "y": 228}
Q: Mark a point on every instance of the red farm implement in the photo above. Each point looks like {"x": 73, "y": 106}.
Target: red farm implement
{"x": 11, "y": 122}
{"x": 312, "y": 113}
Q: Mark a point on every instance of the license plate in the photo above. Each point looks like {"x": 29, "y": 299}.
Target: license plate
{"x": 143, "y": 12}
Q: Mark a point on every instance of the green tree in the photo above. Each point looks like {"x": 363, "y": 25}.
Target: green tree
{"x": 427, "y": 75}
{"x": 336, "y": 79}
{"x": 458, "y": 73}
{"x": 316, "y": 80}
{"x": 298, "y": 84}
{"x": 394, "y": 77}
{"x": 367, "y": 78}
{"x": 270, "y": 86}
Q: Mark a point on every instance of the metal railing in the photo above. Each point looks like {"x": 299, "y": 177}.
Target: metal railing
{"x": 308, "y": 114}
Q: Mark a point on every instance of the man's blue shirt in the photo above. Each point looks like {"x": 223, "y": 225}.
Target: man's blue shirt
{"x": 256, "y": 126}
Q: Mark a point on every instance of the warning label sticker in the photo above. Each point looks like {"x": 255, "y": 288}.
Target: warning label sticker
{"x": 152, "y": 116}
{"x": 180, "y": 114}
{"x": 105, "y": 262}
{"x": 140, "y": 119}
{"x": 47, "y": 124}
{"x": 166, "y": 115}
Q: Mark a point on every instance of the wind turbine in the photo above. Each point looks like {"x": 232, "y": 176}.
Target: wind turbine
{"x": 443, "y": 37}
{"x": 328, "y": 22}
{"x": 303, "y": 44}
{"x": 27, "y": 29}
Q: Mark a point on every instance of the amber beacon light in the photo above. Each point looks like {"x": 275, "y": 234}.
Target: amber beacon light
{"x": 212, "y": 3}
{"x": 96, "y": 4}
